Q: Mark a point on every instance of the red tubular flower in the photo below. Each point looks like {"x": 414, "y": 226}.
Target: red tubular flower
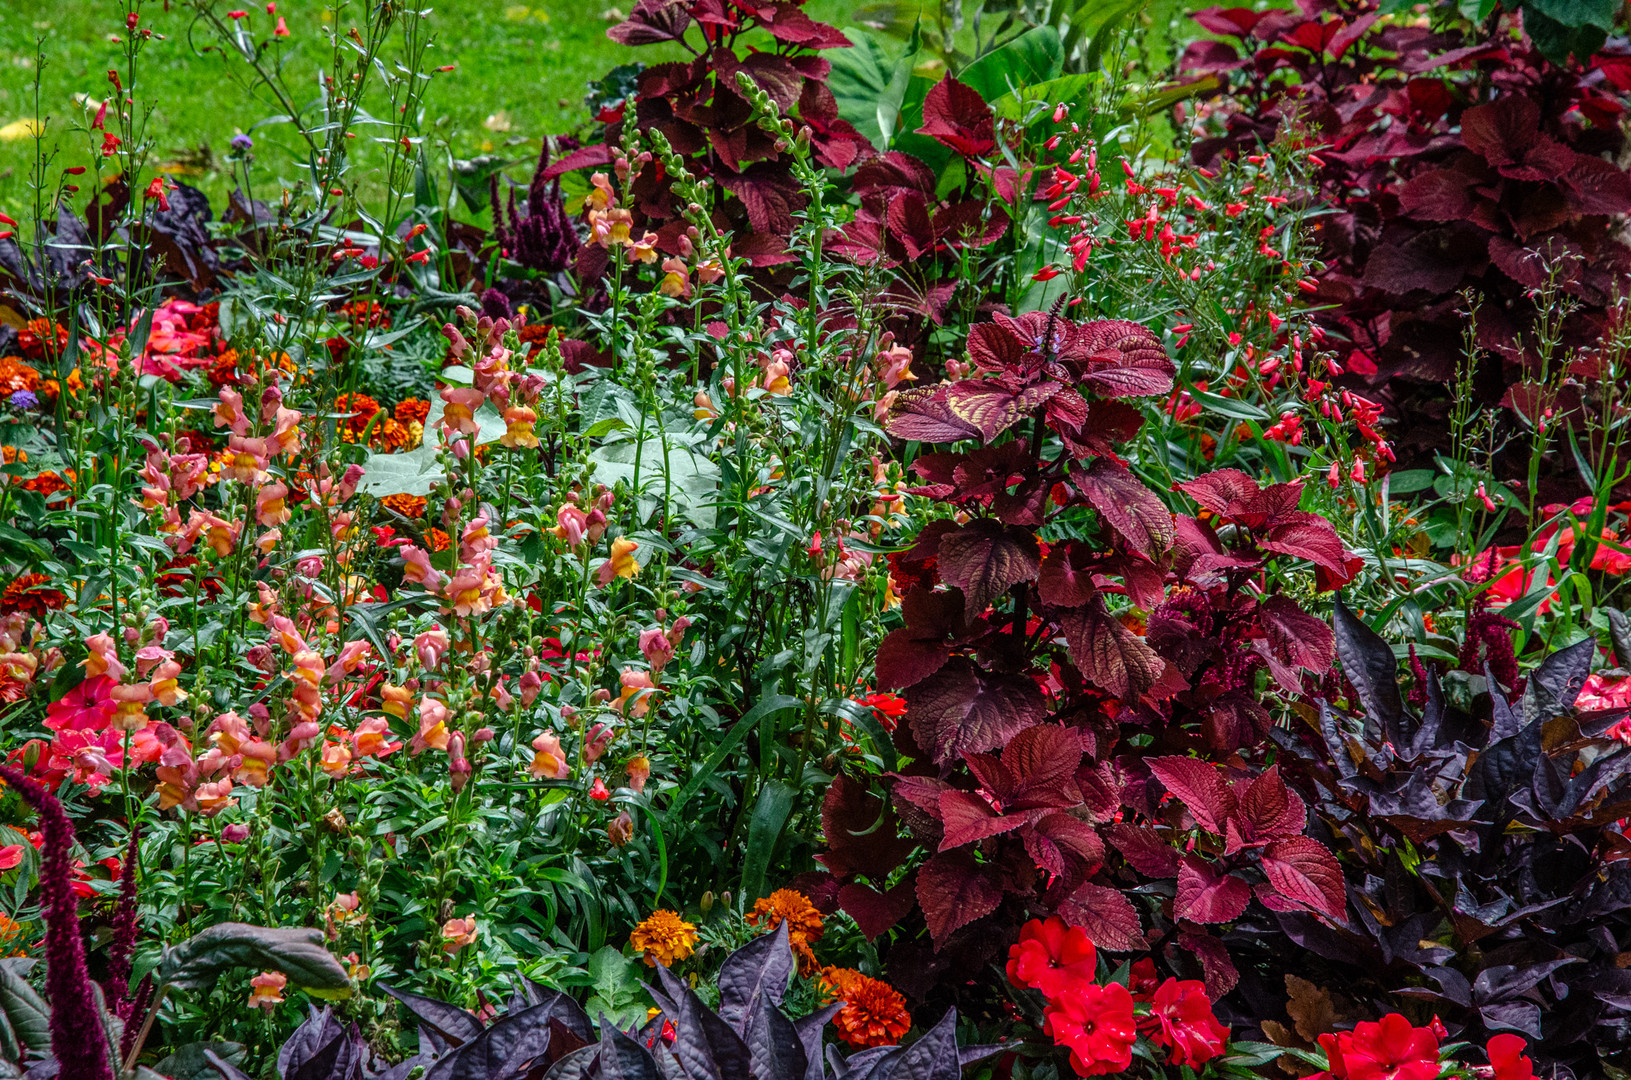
{"x": 1389, "y": 1049}
{"x": 1181, "y": 1019}
{"x": 1096, "y": 1024}
{"x": 1052, "y": 957}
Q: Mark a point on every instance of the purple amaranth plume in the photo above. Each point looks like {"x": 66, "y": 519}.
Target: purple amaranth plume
{"x": 545, "y": 239}
{"x": 125, "y": 929}
{"x": 76, "y": 1027}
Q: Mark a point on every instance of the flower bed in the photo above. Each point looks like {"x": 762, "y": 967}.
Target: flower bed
{"x": 848, "y": 570}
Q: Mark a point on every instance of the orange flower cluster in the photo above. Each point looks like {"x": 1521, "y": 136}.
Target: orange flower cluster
{"x": 26, "y": 594}
{"x": 804, "y": 927}
{"x": 409, "y": 506}
{"x": 664, "y": 938}
{"x": 42, "y": 339}
{"x": 16, "y": 375}
{"x": 11, "y": 936}
{"x": 874, "y": 1013}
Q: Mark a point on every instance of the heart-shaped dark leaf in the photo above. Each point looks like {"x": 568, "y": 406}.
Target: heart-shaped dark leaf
{"x": 298, "y": 953}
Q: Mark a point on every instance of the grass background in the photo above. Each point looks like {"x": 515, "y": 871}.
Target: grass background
{"x": 523, "y": 68}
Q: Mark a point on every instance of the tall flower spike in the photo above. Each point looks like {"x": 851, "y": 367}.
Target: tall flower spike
{"x": 125, "y": 928}
{"x": 76, "y": 1029}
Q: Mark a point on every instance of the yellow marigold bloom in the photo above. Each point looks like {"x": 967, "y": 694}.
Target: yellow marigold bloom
{"x": 874, "y": 1013}
{"x": 664, "y": 938}
{"x": 804, "y": 926}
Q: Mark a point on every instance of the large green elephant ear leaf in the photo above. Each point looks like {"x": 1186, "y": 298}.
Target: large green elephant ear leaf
{"x": 25, "y": 1020}
{"x": 297, "y": 952}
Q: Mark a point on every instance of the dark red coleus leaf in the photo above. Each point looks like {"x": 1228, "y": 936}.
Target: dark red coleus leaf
{"x": 1295, "y": 636}
{"x": 1144, "y": 849}
{"x": 968, "y": 819}
{"x": 1108, "y": 917}
{"x": 1065, "y": 846}
{"x": 1303, "y": 871}
{"x": 955, "y": 116}
{"x": 962, "y": 709}
{"x": 911, "y": 653}
{"x": 1230, "y": 22}
{"x": 787, "y": 23}
{"x": 1106, "y": 652}
{"x": 923, "y": 414}
{"x": 1221, "y": 491}
{"x": 1200, "y": 786}
{"x": 1118, "y": 358}
{"x": 1037, "y": 768}
{"x": 1206, "y": 895}
{"x": 652, "y": 22}
{"x": 991, "y": 408}
{"x": 1267, "y": 811}
{"x": 860, "y": 831}
{"x": 1217, "y": 968}
{"x": 1126, "y": 505}
{"x": 1065, "y": 578}
{"x": 985, "y": 559}
{"x": 953, "y": 890}
{"x": 873, "y": 911}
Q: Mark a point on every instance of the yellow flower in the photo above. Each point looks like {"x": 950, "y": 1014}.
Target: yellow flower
{"x": 621, "y": 562}
{"x": 664, "y": 938}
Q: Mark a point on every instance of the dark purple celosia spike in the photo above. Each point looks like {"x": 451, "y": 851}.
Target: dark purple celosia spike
{"x": 138, "y": 1013}
{"x": 495, "y": 305}
{"x": 125, "y": 928}
{"x": 1489, "y": 641}
{"x": 1418, "y": 675}
{"x": 76, "y": 1028}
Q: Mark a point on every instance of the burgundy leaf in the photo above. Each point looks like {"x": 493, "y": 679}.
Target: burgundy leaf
{"x": 924, "y": 414}
{"x": 1206, "y": 896}
{"x": 1216, "y": 967}
{"x": 1268, "y": 810}
{"x": 999, "y": 345}
{"x": 1043, "y": 760}
{"x": 1501, "y": 131}
{"x": 873, "y": 911}
{"x": 967, "y": 818}
{"x": 985, "y": 559}
{"x": 908, "y": 221}
{"x": 1312, "y": 538}
{"x": 1235, "y": 721}
{"x": 1141, "y": 846}
{"x": 970, "y": 223}
{"x": 961, "y": 709}
{"x": 953, "y": 891}
{"x": 1230, "y": 22}
{"x": 1200, "y": 786}
{"x": 917, "y": 800}
{"x": 1222, "y": 491}
{"x": 1296, "y": 636}
{"x": 892, "y": 171}
{"x": 955, "y": 116}
{"x": 1126, "y": 505}
{"x": 1304, "y": 871}
{"x": 1065, "y": 845}
{"x": 860, "y": 832}
{"x": 651, "y": 22}
{"x": 787, "y": 23}
{"x": 581, "y": 158}
{"x": 1065, "y": 577}
{"x": 991, "y": 408}
{"x": 1108, "y": 653}
{"x": 1118, "y": 358}
{"x": 1108, "y": 917}
{"x": 769, "y": 193}
{"x": 913, "y": 652}
{"x": 1439, "y": 195}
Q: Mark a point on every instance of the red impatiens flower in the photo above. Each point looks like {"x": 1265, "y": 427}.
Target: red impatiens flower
{"x": 1052, "y": 957}
{"x": 1506, "y": 1057}
{"x": 1389, "y": 1049}
{"x": 1181, "y": 1018}
{"x": 1096, "y": 1024}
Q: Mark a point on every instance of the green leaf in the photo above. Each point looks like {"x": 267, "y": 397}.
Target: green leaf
{"x": 411, "y": 473}
{"x": 1557, "y": 41}
{"x": 692, "y": 478}
{"x": 1036, "y": 56}
{"x": 738, "y": 732}
{"x": 298, "y": 952}
{"x": 24, "y": 1009}
{"x": 1410, "y": 481}
{"x": 1573, "y": 14}
{"x": 189, "y": 1062}
{"x": 616, "y": 983}
{"x": 764, "y": 830}
{"x": 869, "y": 82}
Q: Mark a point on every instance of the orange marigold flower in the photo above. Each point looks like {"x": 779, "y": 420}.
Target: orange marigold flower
{"x": 664, "y": 938}
{"x": 16, "y": 375}
{"x": 390, "y": 437}
{"x": 48, "y": 483}
{"x": 12, "y": 933}
{"x": 437, "y": 539}
{"x": 366, "y": 313}
{"x": 361, "y": 409}
{"x": 534, "y": 337}
{"x": 26, "y": 595}
{"x": 411, "y": 411}
{"x": 410, "y": 506}
{"x": 804, "y": 927}
{"x": 874, "y": 1013}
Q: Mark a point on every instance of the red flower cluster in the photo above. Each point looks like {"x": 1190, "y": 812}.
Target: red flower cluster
{"x": 1388, "y": 1049}
{"x": 1099, "y": 1024}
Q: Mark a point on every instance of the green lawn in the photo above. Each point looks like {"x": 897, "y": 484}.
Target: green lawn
{"x": 522, "y": 70}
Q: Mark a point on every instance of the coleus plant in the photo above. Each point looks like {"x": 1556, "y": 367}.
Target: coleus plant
{"x": 1043, "y": 728}
{"x": 544, "y": 1033}
{"x": 1487, "y": 864}
{"x": 699, "y": 107}
{"x": 1456, "y": 158}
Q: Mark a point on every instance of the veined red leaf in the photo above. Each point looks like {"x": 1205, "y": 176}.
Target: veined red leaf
{"x": 985, "y": 559}
{"x": 1303, "y": 871}
{"x": 953, "y": 891}
{"x": 874, "y": 911}
{"x": 1108, "y": 653}
{"x": 1126, "y": 505}
{"x": 1141, "y": 846}
{"x": 1206, "y": 896}
{"x": 1108, "y": 917}
{"x": 1200, "y": 786}
{"x": 1065, "y": 578}
{"x": 1267, "y": 810}
{"x": 967, "y": 818}
{"x": 955, "y": 116}
{"x": 962, "y": 710}
{"x": 1296, "y": 636}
